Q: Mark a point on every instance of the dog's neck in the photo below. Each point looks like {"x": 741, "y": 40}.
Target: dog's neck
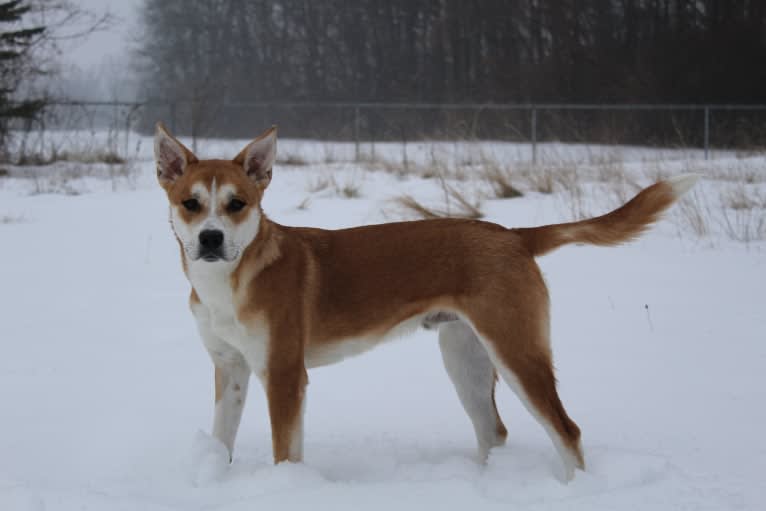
{"x": 212, "y": 283}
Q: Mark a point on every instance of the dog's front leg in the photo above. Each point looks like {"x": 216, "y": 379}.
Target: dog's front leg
{"x": 232, "y": 376}
{"x": 286, "y": 393}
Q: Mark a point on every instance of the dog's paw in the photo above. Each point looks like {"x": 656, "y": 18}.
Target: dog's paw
{"x": 209, "y": 459}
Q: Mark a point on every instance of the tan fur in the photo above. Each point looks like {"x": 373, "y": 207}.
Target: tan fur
{"x": 621, "y": 225}
{"x": 314, "y": 288}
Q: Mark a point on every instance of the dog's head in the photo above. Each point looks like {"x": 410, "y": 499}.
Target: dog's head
{"x": 215, "y": 205}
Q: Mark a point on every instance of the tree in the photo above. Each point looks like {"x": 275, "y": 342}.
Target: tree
{"x": 206, "y": 54}
{"x": 15, "y": 44}
{"x": 31, "y": 32}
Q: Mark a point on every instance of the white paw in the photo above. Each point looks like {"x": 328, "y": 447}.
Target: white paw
{"x": 209, "y": 459}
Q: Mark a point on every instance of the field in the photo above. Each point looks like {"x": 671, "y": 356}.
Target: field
{"x": 107, "y": 392}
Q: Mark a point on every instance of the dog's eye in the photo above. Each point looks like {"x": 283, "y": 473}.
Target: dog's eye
{"x": 235, "y": 205}
{"x": 191, "y": 205}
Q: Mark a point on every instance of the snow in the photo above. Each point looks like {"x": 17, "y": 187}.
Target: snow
{"x": 107, "y": 392}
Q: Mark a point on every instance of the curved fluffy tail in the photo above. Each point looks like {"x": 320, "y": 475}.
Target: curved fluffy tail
{"x": 621, "y": 225}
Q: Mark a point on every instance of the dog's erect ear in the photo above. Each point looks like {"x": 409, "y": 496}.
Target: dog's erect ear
{"x": 171, "y": 155}
{"x": 258, "y": 157}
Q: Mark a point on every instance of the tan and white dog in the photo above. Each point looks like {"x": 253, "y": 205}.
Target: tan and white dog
{"x": 275, "y": 300}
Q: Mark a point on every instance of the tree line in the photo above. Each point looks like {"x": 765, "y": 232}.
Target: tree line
{"x": 31, "y": 33}
{"x": 212, "y": 55}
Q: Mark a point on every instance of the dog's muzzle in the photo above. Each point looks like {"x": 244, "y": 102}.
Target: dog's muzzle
{"x": 211, "y": 245}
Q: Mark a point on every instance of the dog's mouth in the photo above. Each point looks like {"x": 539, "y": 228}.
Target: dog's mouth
{"x": 211, "y": 256}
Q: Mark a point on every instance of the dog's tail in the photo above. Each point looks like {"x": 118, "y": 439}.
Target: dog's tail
{"x": 621, "y": 225}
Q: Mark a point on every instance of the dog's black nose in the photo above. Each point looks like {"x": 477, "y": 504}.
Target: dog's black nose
{"x": 211, "y": 239}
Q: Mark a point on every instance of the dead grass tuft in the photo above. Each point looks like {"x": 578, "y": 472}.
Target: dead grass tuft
{"x": 741, "y": 198}
{"x": 304, "y": 205}
{"x": 12, "y": 219}
{"x": 539, "y": 178}
{"x": 349, "y": 188}
{"x": 743, "y": 215}
{"x": 292, "y": 159}
{"x": 456, "y": 205}
{"x": 499, "y": 180}
{"x": 694, "y": 213}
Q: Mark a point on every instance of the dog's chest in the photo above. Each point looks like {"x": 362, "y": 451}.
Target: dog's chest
{"x": 222, "y": 332}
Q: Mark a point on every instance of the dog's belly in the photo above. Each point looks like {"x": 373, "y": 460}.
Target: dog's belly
{"x": 331, "y": 352}
{"x": 229, "y": 337}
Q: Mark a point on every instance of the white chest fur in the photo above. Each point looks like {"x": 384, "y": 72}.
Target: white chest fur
{"x": 223, "y": 334}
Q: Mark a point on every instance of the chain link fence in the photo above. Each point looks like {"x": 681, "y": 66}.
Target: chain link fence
{"x": 115, "y": 128}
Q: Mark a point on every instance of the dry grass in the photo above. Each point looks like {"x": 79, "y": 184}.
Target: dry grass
{"x": 743, "y": 217}
{"x": 292, "y": 159}
{"x": 411, "y": 205}
{"x": 304, "y": 205}
{"x": 317, "y": 184}
{"x": 738, "y": 213}
{"x": 349, "y": 190}
{"x": 12, "y": 219}
{"x": 500, "y": 180}
{"x": 349, "y": 187}
{"x": 456, "y": 205}
{"x": 435, "y": 168}
{"x": 93, "y": 155}
{"x": 603, "y": 183}
{"x": 744, "y": 225}
{"x": 693, "y": 213}
{"x": 539, "y": 178}
{"x": 58, "y": 184}
{"x": 742, "y": 197}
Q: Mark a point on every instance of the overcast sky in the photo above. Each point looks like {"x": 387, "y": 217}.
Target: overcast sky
{"x": 90, "y": 52}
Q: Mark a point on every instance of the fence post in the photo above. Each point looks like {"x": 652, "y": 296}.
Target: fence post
{"x": 405, "y": 161}
{"x": 534, "y": 136}
{"x": 707, "y": 131}
{"x": 127, "y": 132}
{"x": 356, "y": 133}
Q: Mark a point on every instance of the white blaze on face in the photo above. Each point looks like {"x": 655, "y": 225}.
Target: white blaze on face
{"x": 236, "y": 236}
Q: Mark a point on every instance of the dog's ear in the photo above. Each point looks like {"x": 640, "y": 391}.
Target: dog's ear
{"x": 171, "y": 155}
{"x": 258, "y": 157}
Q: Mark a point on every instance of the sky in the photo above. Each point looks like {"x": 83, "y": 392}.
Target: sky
{"x": 90, "y": 52}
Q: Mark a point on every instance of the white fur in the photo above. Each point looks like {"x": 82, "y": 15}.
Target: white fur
{"x": 235, "y": 378}
{"x": 682, "y": 183}
{"x": 295, "y": 450}
{"x": 218, "y": 313}
{"x": 236, "y": 237}
{"x": 567, "y": 458}
{"x": 473, "y": 375}
{"x": 335, "y": 351}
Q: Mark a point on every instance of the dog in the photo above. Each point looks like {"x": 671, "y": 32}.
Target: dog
{"x": 275, "y": 300}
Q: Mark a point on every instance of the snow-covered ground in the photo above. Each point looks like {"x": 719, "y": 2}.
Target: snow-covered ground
{"x": 107, "y": 393}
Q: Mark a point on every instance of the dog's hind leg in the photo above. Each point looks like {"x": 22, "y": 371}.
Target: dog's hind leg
{"x": 473, "y": 375}
{"x": 514, "y": 329}
{"x": 533, "y": 381}
{"x": 519, "y": 348}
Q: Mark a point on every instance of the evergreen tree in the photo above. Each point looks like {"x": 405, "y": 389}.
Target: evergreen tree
{"x": 16, "y": 65}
